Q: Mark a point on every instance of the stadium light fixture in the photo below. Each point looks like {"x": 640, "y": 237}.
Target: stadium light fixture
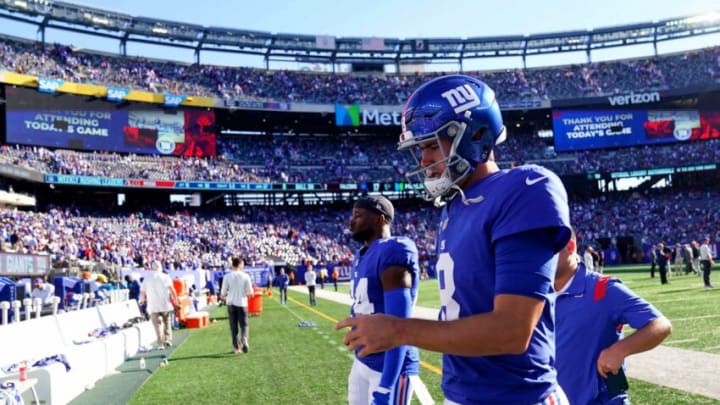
{"x": 703, "y": 18}
{"x": 160, "y": 30}
{"x": 100, "y": 20}
{"x": 21, "y": 4}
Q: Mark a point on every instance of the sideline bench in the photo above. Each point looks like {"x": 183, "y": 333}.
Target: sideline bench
{"x": 80, "y": 337}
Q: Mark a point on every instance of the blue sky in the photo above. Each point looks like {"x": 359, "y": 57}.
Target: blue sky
{"x": 396, "y": 19}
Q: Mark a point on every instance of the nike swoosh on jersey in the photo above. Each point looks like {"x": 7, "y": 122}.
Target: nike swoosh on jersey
{"x": 530, "y": 181}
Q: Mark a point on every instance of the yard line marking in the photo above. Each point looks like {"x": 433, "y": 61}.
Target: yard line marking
{"x": 693, "y": 318}
{"x": 430, "y": 367}
{"x": 424, "y": 364}
{"x": 691, "y": 298}
{"x": 672, "y": 342}
{"x": 313, "y": 310}
{"x": 294, "y": 313}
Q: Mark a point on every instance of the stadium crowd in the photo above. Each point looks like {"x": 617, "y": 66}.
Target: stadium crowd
{"x": 187, "y": 240}
{"x": 678, "y": 71}
{"x": 293, "y": 159}
{"x": 184, "y": 240}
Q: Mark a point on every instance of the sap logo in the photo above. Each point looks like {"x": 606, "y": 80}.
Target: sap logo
{"x": 461, "y": 98}
{"x": 174, "y": 100}
{"x": 49, "y": 85}
{"x": 635, "y": 98}
{"x": 117, "y": 94}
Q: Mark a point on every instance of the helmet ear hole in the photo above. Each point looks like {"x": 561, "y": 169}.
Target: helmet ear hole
{"x": 479, "y": 134}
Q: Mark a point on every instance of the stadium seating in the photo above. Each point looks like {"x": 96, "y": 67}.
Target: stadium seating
{"x": 677, "y": 71}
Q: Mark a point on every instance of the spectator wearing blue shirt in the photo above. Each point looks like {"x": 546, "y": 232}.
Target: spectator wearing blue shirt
{"x": 133, "y": 286}
{"x": 590, "y": 312}
{"x": 283, "y": 282}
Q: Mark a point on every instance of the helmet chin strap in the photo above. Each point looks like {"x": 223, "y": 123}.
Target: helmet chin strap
{"x": 441, "y": 201}
{"x": 465, "y": 200}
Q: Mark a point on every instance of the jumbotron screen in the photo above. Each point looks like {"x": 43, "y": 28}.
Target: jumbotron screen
{"x": 87, "y": 123}
{"x": 594, "y": 129}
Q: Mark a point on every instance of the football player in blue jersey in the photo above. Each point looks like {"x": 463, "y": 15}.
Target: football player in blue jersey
{"x": 384, "y": 280}
{"x": 591, "y": 310}
{"x": 497, "y": 246}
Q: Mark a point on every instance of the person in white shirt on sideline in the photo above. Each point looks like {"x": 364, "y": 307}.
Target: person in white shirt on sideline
{"x": 158, "y": 293}
{"x": 44, "y": 291}
{"x": 706, "y": 260}
{"x": 588, "y": 259}
{"x": 236, "y": 289}
{"x": 310, "y": 281}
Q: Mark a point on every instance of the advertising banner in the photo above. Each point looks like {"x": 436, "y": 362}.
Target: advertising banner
{"x": 117, "y": 94}
{"x": 592, "y": 129}
{"x": 22, "y": 265}
{"x": 173, "y": 100}
{"x": 353, "y": 115}
{"x": 71, "y": 122}
{"x": 67, "y": 129}
{"x": 46, "y": 85}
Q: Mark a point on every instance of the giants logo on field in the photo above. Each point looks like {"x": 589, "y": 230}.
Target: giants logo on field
{"x": 461, "y": 98}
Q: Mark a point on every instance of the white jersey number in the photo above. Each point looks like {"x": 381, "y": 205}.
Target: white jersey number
{"x": 450, "y": 308}
{"x": 361, "y": 301}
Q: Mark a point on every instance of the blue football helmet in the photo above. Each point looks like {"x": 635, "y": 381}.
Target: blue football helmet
{"x": 455, "y": 107}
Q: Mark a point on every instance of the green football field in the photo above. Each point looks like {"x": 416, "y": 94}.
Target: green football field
{"x": 289, "y": 364}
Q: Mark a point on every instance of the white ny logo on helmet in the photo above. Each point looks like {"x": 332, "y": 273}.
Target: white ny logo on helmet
{"x": 461, "y": 98}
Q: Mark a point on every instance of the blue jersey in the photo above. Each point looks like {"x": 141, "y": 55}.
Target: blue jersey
{"x": 505, "y": 203}
{"x": 367, "y": 291}
{"x": 586, "y": 325}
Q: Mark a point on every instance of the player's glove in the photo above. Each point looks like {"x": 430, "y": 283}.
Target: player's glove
{"x": 381, "y": 396}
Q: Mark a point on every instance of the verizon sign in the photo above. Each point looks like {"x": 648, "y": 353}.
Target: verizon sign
{"x": 635, "y": 98}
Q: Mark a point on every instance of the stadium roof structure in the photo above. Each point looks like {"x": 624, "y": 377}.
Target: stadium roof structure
{"x": 333, "y": 50}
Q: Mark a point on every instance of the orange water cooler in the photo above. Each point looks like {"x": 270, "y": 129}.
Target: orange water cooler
{"x": 255, "y": 304}
{"x": 183, "y": 303}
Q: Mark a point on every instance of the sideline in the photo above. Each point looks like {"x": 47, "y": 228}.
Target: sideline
{"x": 128, "y": 378}
{"x": 423, "y": 363}
{"x": 682, "y": 369}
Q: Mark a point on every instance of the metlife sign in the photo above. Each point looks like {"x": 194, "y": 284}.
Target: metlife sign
{"x": 358, "y": 116}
